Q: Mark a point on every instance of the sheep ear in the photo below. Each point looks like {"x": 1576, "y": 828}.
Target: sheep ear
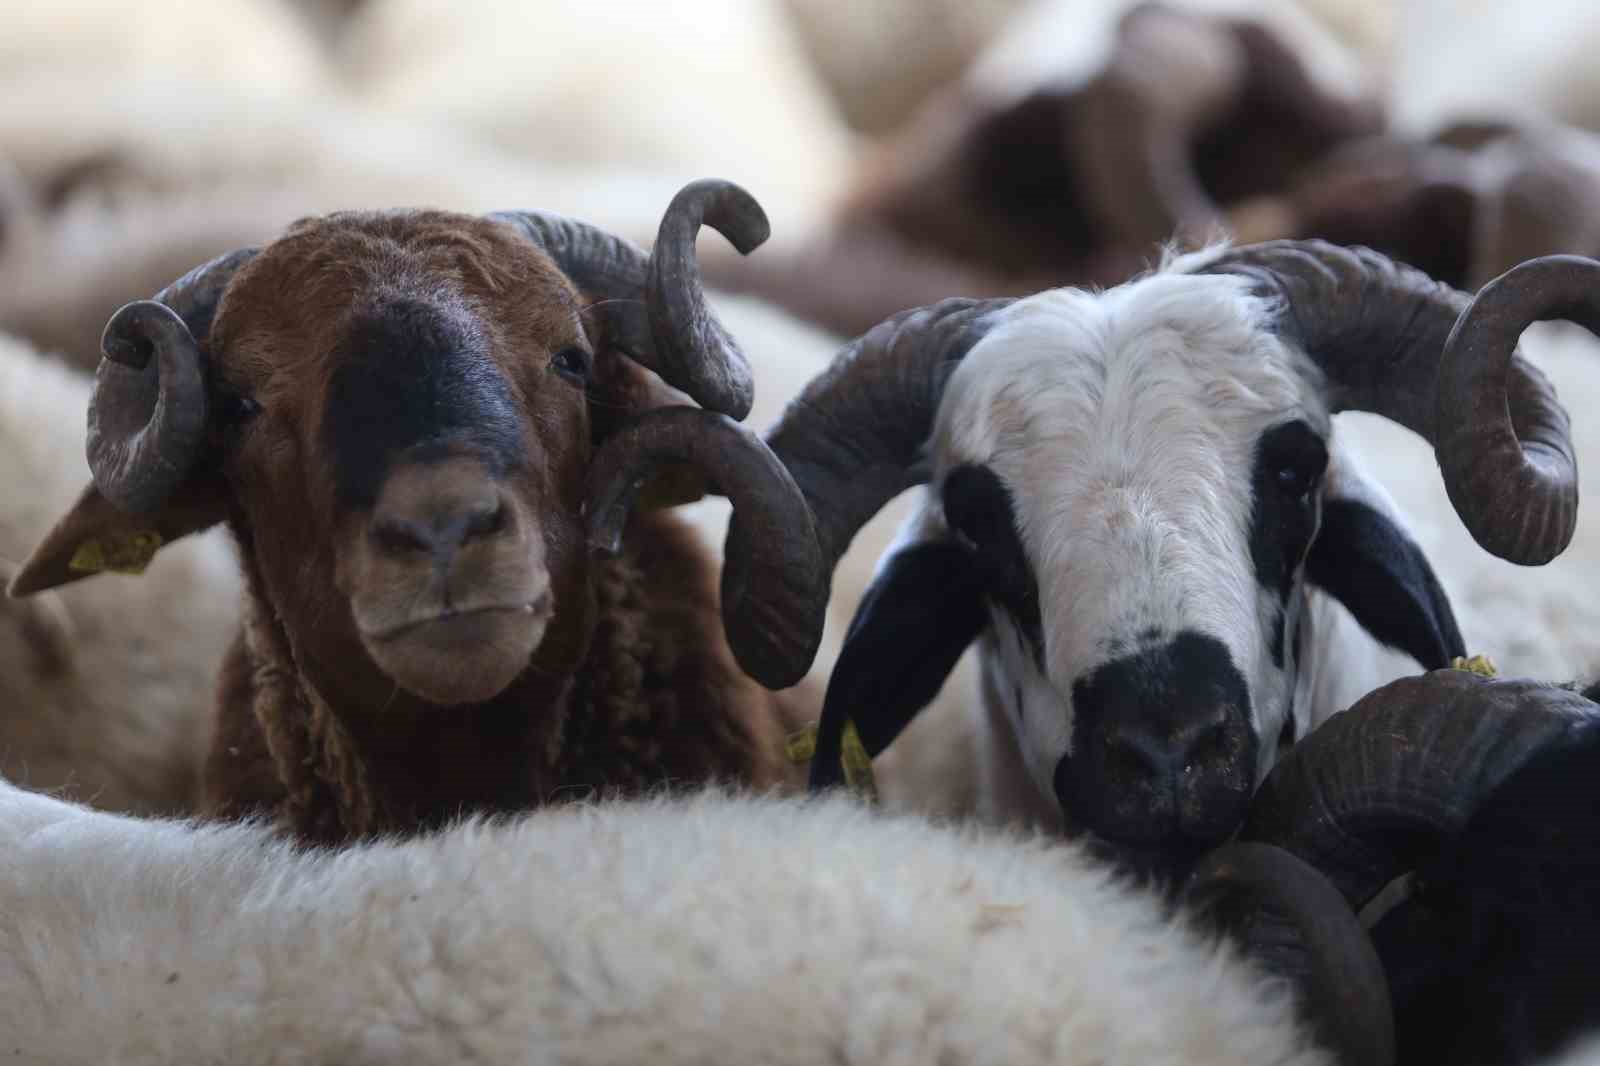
{"x": 923, "y": 608}
{"x": 96, "y": 537}
{"x": 1364, "y": 558}
{"x": 623, "y": 390}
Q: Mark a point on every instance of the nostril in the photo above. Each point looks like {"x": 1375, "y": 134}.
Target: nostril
{"x": 400, "y": 536}
{"x": 1139, "y": 753}
{"x": 485, "y": 521}
{"x": 1207, "y": 740}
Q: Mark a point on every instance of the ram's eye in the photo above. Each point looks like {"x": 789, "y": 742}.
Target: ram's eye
{"x": 234, "y": 408}
{"x": 572, "y": 363}
{"x": 1297, "y": 480}
{"x": 1296, "y": 457}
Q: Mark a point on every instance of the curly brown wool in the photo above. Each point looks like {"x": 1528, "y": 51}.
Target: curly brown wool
{"x": 657, "y": 701}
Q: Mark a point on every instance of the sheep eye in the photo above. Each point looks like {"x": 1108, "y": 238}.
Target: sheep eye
{"x": 572, "y": 363}
{"x": 1296, "y": 480}
{"x": 235, "y": 409}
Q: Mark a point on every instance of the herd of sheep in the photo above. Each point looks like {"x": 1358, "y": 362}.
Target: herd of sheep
{"x": 471, "y": 505}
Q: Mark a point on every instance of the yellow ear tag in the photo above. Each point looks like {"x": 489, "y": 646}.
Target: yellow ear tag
{"x": 123, "y": 553}
{"x": 1481, "y": 665}
{"x": 853, "y": 755}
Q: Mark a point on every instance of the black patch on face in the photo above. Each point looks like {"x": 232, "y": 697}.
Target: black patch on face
{"x": 1367, "y": 563}
{"x": 979, "y": 509}
{"x": 414, "y": 375}
{"x": 1285, "y": 509}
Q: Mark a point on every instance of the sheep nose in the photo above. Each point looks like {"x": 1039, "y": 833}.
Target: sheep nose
{"x": 1166, "y": 751}
{"x": 436, "y": 509}
{"x": 441, "y": 532}
{"x": 1163, "y": 747}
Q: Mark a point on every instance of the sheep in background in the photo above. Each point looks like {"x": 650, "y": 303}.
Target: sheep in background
{"x": 244, "y": 50}
{"x": 1136, "y": 507}
{"x": 1049, "y": 165}
{"x": 1465, "y": 204}
{"x": 629, "y": 84}
{"x": 705, "y": 928}
{"x": 63, "y": 272}
{"x": 415, "y": 474}
{"x": 105, "y": 687}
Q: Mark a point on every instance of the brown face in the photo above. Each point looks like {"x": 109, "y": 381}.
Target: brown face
{"x": 405, "y": 442}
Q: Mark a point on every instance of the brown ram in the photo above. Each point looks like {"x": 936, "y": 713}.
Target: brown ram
{"x": 416, "y": 424}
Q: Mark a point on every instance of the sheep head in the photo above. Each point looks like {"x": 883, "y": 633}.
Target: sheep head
{"x": 1131, "y": 493}
{"x": 418, "y": 423}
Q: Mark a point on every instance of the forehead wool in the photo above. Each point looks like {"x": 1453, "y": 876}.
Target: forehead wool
{"x": 1125, "y": 423}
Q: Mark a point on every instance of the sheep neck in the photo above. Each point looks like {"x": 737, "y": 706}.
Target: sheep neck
{"x": 657, "y": 699}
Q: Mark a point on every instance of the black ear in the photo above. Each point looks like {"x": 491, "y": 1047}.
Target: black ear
{"x": 1369, "y": 564}
{"x": 919, "y": 614}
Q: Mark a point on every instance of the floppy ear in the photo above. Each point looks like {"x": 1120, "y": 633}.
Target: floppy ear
{"x": 96, "y": 537}
{"x": 923, "y": 608}
{"x": 1364, "y": 558}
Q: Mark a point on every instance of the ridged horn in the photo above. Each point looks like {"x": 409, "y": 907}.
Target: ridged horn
{"x": 1392, "y": 341}
{"x": 771, "y": 575}
{"x": 148, "y": 412}
{"x": 654, "y": 305}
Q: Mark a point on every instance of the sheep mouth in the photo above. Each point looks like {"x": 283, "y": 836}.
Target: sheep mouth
{"x": 452, "y": 619}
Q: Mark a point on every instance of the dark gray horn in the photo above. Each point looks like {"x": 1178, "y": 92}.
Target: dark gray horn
{"x": 1382, "y": 784}
{"x": 1293, "y": 922}
{"x": 773, "y": 595}
{"x": 1385, "y": 336}
{"x": 854, "y": 438}
{"x": 1504, "y": 444}
{"x": 148, "y": 412}
{"x": 654, "y": 305}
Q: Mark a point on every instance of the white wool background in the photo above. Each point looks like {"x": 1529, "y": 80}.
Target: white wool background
{"x": 105, "y": 684}
{"x": 701, "y": 930}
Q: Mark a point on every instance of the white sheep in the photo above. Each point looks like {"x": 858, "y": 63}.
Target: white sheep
{"x": 105, "y": 685}
{"x": 709, "y": 928}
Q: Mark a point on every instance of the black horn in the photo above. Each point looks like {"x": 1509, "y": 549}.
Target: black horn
{"x": 1387, "y": 338}
{"x": 654, "y": 305}
{"x": 148, "y": 413}
{"x": 1383, "y": 783}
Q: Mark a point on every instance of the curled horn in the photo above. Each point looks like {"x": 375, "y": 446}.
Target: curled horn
{"x": 1293, "y": 921}
{"x": 1382, "y": 784}
{"x": 1377, "y": 330}
{"x": 1504, "y": 447}
{"x": 774, "y": 594}
{"x": 853, "y": 439}
{"x": 148, "y": 412}
{"x": 655, "y": 306}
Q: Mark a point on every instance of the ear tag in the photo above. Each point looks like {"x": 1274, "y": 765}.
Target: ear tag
{"x": 1481, "y": 665}
{"x": 853, "y": 755}
{"x": 123, "y": 553}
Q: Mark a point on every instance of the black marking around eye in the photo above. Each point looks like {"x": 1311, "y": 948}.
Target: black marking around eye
{"x": 415, "y": 373}
{"x": 979, "y": 509}
{"x": 1285, "y": 510}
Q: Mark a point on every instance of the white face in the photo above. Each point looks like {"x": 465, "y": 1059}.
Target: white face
{"x": 1127, "y": 429}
